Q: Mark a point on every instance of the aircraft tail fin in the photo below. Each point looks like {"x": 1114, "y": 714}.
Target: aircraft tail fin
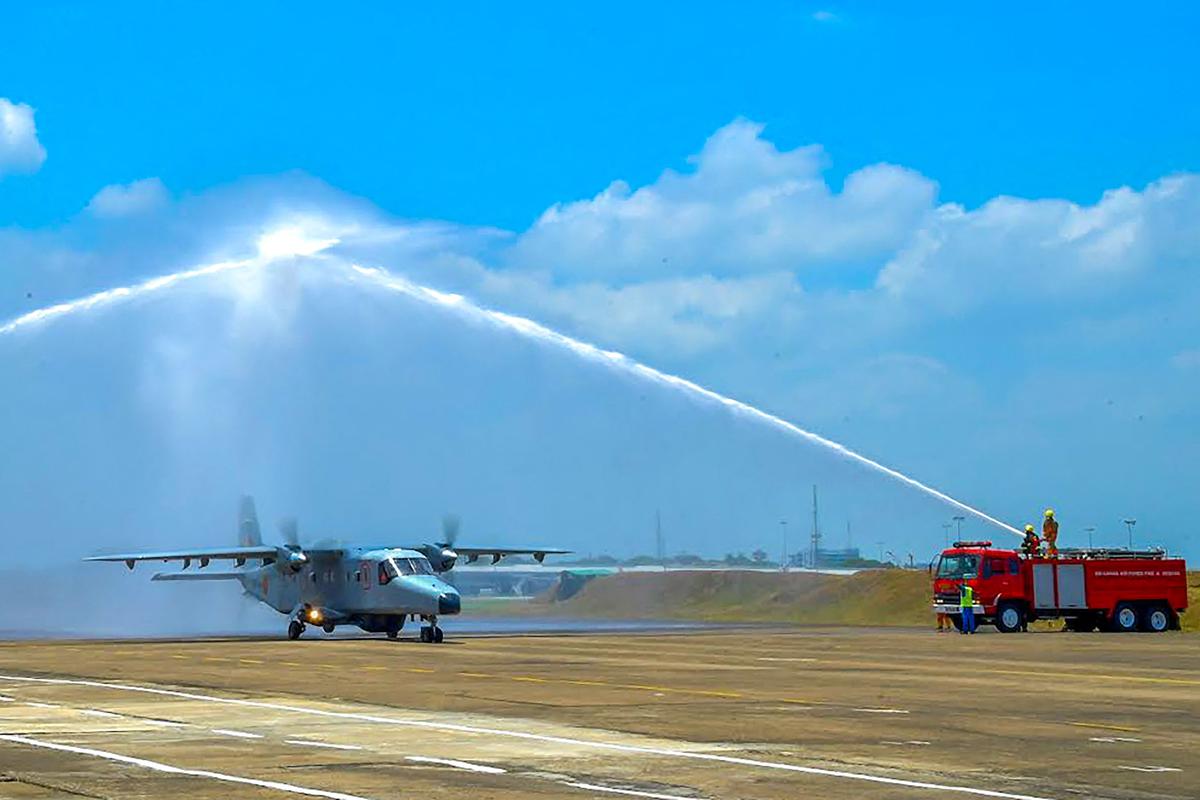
{"x": 249, "y": 534}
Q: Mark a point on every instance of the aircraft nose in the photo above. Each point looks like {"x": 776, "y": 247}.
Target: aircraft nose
{"x": 449, "y": 603}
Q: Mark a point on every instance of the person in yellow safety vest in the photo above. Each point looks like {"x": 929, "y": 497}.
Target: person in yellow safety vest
{"x": 1032, "y": 545}
{"x": 1050, "y": 534}
{"x": 966, "y": 605}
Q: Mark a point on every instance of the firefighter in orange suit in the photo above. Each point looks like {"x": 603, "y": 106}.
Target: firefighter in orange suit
{"x": 1050, "y": 534}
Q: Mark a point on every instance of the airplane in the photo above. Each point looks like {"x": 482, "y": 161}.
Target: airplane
{"x": 375, "y": 588}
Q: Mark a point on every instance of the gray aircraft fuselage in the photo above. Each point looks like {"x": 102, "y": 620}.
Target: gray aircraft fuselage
{"x": 358, "y": 586}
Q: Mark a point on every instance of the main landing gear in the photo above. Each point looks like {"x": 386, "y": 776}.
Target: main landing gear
{"x": 295, "y": 628}
{"x": 431, "y": 633}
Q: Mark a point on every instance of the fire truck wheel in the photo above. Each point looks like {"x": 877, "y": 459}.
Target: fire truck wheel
{"x": 1010, "y": 618}
{"x": 1125, "y": 618}
{"x": 1156, "y": 619}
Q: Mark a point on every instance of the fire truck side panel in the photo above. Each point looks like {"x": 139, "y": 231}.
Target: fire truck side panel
{"x": 1115, "y": 581}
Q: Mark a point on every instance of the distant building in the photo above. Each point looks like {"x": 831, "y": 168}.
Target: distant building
{"x": 834, "y": 559}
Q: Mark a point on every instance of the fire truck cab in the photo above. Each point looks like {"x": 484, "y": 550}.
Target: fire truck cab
{"x": 1115, "y": 590}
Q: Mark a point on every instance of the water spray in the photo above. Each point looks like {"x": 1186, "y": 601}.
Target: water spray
{"x": 529, "y": 328}
{"x": 292, "y": 242}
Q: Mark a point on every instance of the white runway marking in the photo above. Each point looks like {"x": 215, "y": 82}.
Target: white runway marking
{"x": 196, "y": 773}
{"x": 92, "y": 712}
{"x": 450, "y": 762}
{"x": 1111, "y": 739}
{"x": 163, "y": 723}
{"x": 237, "y": 734}
{"x": 882, "y": 710}
{"x": 5, "y": 699}
{"x": 1151, "y": 769}
{"x": 536, "y": 737}
{"x": 41, "y": 705}
{"x": 613, "y": 790}
{"x": 304, "y": 743}
{"x": 800, "y": 660}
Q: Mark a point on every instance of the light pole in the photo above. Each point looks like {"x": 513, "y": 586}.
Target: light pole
{"x": 1089, "y": 531}
{"x": 946, "y": 529}
{"x": 783, "y": 562}
{"x": 1129, "y": 523}
{"x": 880, "y": 551}
{"x": 959, "y": 520}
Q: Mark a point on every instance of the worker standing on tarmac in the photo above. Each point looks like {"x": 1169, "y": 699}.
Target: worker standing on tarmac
{"x": 1050, "y": 534}
{"x": 966, "y": 605}
{"x": 1032, "y": 545}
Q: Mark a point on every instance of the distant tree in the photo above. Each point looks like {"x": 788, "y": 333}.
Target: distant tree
{"x": 759, "y": 556}
{"x": 688, "y": 560}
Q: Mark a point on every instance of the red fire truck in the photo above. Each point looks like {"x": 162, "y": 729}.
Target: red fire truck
{"x": 1114, "y": 590}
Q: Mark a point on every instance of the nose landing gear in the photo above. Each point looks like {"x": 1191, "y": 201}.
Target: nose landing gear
{"x": 295, "y": 628}
{"x": 431, "y": 633}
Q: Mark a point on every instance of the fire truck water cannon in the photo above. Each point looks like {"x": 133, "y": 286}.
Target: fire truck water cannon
{"x": 1090, "y": 589}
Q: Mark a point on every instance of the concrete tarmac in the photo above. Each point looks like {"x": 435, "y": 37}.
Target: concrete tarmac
{"x": 811, "y": 712}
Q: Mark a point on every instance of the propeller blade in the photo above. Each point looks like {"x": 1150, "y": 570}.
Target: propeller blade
{"x": 289, "y": 529}
{"x": 450, "y": 526}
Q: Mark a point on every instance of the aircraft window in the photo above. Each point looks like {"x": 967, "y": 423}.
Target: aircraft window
{"x": 421, "y": 566}
{"x": 387, "y": 571}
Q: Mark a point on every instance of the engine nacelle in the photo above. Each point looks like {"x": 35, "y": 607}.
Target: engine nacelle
{"x": 292, "y": 559}
{"x": 440, "y": 556}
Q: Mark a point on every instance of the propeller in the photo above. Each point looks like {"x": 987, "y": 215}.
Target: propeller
{"x": 289, "y": 529}
{"x": 441, "y": 555}
{"x": 293, "y": 554}
{"x": 451, "y": 524}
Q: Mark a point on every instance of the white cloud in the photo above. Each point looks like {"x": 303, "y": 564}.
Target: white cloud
{"x": 129, "y": 199}
{"x": 745, "y": 207}
{"x": 824, "y": 16}
{"x": 1029, "y": 250}
{"x": 20, "y": 150}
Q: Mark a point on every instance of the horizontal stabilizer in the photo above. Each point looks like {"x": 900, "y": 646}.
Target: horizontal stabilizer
{"x": 197, "y": 576}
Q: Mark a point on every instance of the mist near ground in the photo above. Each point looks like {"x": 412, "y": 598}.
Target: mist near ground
{"x": 368, "y": 416}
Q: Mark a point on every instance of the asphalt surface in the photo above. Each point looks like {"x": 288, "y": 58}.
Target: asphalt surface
{"x": 828, "y": 713}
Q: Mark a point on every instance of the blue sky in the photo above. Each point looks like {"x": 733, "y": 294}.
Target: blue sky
{"x": 961, "y": 241}
{"x": 446, "y": 113}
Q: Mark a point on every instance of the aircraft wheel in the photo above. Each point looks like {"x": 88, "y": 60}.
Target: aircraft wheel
{"x": 327, "y": 628}
{"x": 437, "y": 635}
{"x": 426, "y": 634}
{"x": 394, "y": 626}
{"x": 295, "y": 629}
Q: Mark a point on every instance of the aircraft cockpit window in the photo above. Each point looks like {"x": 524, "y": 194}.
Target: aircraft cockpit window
{"x": 421, "y": 566}
{"x": 387, "y": 571}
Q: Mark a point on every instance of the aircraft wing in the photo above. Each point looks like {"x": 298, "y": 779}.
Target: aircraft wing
{"x": 201, "y": 554}
{"x": 473, "y": 553}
